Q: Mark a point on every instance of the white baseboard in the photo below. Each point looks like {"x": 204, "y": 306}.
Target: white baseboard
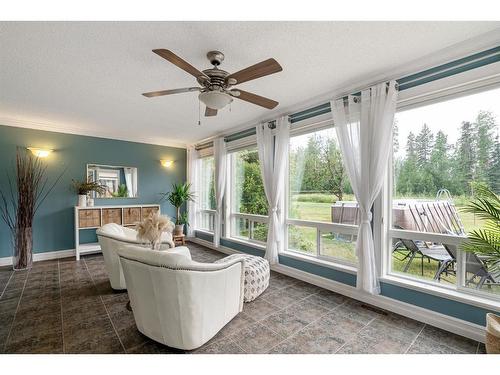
{"x": 38, "y": 257}
{"x": 448, "y": 323}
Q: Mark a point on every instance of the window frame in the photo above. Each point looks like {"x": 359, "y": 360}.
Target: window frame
{"x": 298, "y": 129}
{"x": 231, "y": 215}
{"x": 457, "y": 291}
{"x": 199, "y": 210}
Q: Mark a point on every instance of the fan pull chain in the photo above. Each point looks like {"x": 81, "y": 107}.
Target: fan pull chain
{"x": 199, "y": 113}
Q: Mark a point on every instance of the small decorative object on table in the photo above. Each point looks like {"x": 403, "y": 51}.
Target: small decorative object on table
{"x": 151, "y": 228}
{"x": 492, "y": 334}
{"x": 83, "y": 188}
{"x": 179, "y": 239}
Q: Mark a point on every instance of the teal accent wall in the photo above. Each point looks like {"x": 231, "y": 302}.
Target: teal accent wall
{"x": 54, "y": 222}
{"x": 435, "y": 303}
{"x": 316, "y": 269}
{"x": 442, "y": 305}
{"x": 238, "y": 246}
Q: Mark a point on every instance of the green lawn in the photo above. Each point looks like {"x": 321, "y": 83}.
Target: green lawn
{"x": 321, "y": 211}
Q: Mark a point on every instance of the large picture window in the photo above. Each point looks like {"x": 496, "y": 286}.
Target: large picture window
{"x": 249, "y": 208}
{"x": 322, "y": 210}
{"x": 442, "y": 155}
{"x": 206, "y": 193}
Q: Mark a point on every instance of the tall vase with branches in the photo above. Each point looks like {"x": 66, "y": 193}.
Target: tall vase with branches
{"x": 180, "y": 195}
{"x": 20, "y": 202}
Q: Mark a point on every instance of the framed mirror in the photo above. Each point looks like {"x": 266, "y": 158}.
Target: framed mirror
{"x": 119, "y": 182}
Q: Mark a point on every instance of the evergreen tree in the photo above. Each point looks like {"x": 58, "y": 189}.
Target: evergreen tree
{"x": 395, "y": 137}
{"x": 440, "y": 165}
{"x": 313, "y": 173}
{"x": 411, "y": 150}
{"x": 252, "y": 199}
{"x": 407, "y": 176}
{"x": 465, "y": 158}
{"x": 423, "y": 145}
{"x": 494, "y": 171}
{"x": 335, "y": 172}
{"x": 483, "y": 129}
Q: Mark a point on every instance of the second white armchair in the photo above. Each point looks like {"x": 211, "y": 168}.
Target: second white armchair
{"x": 110, "y": 236}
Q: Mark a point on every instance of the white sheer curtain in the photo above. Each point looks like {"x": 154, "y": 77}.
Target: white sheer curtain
{"x": 130, "y": 181}
{"x": 272, "y": 156}
{"x": 192, "y": 158}
{"x": 364, "y": 129}
{"x": 220, "y": 157}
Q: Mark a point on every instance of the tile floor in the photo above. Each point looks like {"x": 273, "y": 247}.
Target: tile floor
{"x": 64, "y": 306}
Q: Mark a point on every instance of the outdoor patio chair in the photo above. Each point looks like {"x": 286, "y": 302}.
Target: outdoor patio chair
{"x": 434, "y": 252}
{"x": 476, "y": 266}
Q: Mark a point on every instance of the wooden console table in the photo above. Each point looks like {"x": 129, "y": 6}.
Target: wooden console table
{"x": 96, "y": 216}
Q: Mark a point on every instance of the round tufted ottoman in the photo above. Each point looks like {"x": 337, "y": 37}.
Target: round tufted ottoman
{"x": 256, "y": 275}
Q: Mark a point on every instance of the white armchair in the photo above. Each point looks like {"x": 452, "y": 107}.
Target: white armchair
{"x": 110, "y": 236}
{"x": 177, "y": 301}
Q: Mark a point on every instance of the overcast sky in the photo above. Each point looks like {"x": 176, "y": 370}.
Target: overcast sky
{"x": 447, "y": 116}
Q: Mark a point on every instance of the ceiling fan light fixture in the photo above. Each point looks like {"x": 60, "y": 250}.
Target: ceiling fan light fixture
{"x": 215, "y": 99}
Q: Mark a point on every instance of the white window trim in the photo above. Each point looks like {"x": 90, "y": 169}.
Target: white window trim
{"x": 325, "y": 122}
{"x": 211, "y": 213}
{"x": 457, "y": 292}
{"x": 199, "y": 210}
{"x": 230, "y": 215}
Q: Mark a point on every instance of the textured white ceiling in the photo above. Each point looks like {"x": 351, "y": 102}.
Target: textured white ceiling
{"x": 87, "y": 77}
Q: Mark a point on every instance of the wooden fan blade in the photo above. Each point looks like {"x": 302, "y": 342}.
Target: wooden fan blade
{"x": 170, "y": 92}
{"x": 176, "y": 60}
{"x": 210, "y": 112}
{"x": 255, "y": 99}
{"x": 264, "y": 68}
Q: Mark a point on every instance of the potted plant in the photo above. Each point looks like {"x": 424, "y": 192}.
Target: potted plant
{"x": 20, "y": 203}
{"x": 122, "y": 192}
{"x": 485, "y": 242}
{"x": 84, "y": 187}
{"x": 180, "y": 195}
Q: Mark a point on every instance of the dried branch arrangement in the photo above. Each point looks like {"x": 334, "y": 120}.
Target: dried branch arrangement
{"x": 151, "y": 228}
{"x": 20, "y": 202}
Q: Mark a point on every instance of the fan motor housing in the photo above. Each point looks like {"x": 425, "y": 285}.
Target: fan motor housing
{"x": 217, "y": 77}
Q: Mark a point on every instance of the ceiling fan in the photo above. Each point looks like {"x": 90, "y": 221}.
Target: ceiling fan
{"x": 216, "y": 91}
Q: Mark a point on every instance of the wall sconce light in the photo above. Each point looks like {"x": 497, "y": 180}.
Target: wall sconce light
{"x": 40, "y": 152}
{"x": 166, "y": 163}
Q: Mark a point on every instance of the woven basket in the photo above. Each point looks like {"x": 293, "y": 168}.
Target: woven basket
{"x": 492, "y": 334}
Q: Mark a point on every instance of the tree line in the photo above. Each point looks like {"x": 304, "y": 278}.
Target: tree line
{"x": 431, "y": 163}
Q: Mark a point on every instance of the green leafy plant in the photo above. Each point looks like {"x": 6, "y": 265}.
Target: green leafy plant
{"x": 85, "y": 187}
{"x": 485, "y": 241}
{"x": 183, "y": 219}
{"x": 122, "y": 192}
{"x": 178, "y": 196}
